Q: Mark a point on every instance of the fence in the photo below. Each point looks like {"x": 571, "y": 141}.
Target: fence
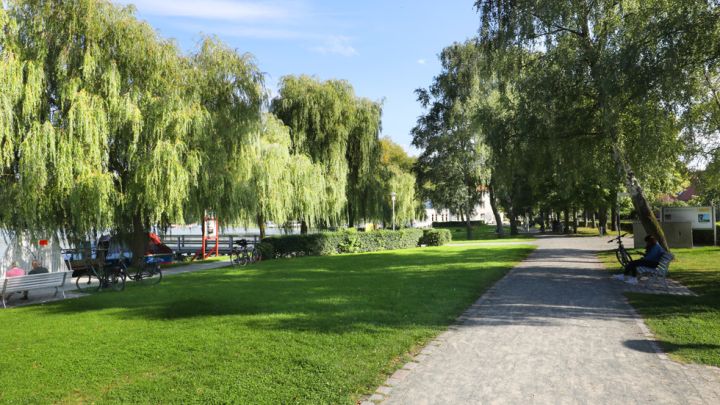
{"x": 186, "y": 245}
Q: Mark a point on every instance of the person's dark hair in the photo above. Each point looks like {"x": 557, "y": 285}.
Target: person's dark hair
{"x": 650, "y": 238}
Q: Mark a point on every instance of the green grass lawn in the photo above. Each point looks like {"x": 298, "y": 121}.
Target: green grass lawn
{"x": 310, "y": 330}
{"x": 484, "y": 233}
{"x": 688, "y": 328}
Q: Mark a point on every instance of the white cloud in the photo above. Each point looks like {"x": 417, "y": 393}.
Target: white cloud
{"x": 337, "y": 45}
{"x": 214, "y": 9}
{"x": 421, "y": 61}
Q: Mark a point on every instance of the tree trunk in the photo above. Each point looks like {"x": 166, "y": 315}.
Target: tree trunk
{"x": 261, "y": 226}
{"x": 513, "y": 223}
{"x": 566, "y": 225}
{"x": 645, "y": 214}
{"x": 594, "y": 220}
{"x": 603, "y": 218}
{"x": 351, "y": 215}
{"x": 303, "y": 228}
{"x": 139, "y": 240}
{"x": 468, "y": 222}
{"x": 614, "y": 217}
{"x": 493, "y": 205}
{"x": 575, "y": 221}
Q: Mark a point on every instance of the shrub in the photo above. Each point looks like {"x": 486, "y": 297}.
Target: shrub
{"x": 267, "y": 251}
{"x": 348, "y": 241}
{"x": 456, "y": 224}
{"x": 436, "y": 237}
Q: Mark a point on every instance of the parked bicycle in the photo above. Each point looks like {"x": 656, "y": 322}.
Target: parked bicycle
{"x": 622, "y": 255}
{"x": 244, "y": 254}
{"x": 98, "y": 275}
{"x": 149, "y": 273}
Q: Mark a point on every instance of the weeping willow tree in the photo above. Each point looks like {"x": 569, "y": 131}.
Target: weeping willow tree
{"x": 104, "y": 125}
{"x": 394, "y": 175}
{"x": 362, "y": 156}
{"x": 337, "y": 130}
{"x": 282, "y": 184}
{"x": 229, "y": 87}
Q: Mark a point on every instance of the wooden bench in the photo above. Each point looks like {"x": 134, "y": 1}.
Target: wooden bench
{"x": 660, "y": 272}
{"x": 33, "y": 282}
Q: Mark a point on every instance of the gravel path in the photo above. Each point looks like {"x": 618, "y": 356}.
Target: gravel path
{"x": 556, "y": 330}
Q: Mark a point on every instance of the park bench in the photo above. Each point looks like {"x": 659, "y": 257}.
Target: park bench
{"x": 33, "y": 282}
{"x": 659, "y": 273}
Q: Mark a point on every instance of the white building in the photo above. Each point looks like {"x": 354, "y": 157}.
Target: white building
{"x": 482, "y": 212}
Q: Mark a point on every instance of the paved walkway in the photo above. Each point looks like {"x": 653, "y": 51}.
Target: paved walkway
{"x": 48, "y": 295}
{"x": 556, "y": 330}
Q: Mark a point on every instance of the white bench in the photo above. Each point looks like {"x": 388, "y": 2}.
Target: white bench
{"x": 660, "y": 272}
{"x": 33, "y": 282}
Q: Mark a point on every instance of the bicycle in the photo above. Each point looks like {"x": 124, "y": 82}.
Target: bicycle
{"x": 621, "y": 254}
{"x": 150, "y": 273}
{"x": 242, "y": 255}
{"x": 109, "y": 276}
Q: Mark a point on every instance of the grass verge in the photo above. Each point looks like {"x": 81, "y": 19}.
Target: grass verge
{"x": 687, "y": 328}
{"x": 310, "y": 330}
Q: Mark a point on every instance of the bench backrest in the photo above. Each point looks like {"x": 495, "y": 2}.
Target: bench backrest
{"x": 34, "y": 281}
{"x": 664, "y": 263}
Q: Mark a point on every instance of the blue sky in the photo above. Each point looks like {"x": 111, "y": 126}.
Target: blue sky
{"x": 385, "y": 49}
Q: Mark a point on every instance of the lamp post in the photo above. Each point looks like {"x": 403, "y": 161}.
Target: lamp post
{"x": 393, "y": 196}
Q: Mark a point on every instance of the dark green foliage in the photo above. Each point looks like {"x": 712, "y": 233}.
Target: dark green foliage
{"x": 267, "y": 251}
{"x": 350, "y": 241}
{"x": 436, "y": 237}
{"x": 456, "y": 224}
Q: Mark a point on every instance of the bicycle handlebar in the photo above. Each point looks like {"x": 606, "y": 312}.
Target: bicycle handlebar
{"x": 617, "y": 238}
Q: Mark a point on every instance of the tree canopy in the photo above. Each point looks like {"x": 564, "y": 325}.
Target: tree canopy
{"x": 606, "y": 79}
{"x": 453, "y": 167}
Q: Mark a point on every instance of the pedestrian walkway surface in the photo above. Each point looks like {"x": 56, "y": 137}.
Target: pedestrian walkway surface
{"x": 556, "y": 330}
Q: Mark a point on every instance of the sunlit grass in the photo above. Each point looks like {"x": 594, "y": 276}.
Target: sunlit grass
{"x": 688, "y": 328}
{"x": 310, "y": 330}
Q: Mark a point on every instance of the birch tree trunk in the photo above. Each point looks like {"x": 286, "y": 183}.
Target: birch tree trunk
{"x": 645, "y": 214}
{"x": 493, "y": 205}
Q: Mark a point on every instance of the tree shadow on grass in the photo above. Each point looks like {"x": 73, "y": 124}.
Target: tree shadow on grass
{"x": 329, "y": 294}
{"x": 646, "y": 346}
{"x": 396, "y": 289}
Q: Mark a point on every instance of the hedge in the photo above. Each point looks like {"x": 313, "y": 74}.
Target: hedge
{"x": 349, "y": 241}
{"x": 436, "y": 237}
{"x": 456, "y": 224}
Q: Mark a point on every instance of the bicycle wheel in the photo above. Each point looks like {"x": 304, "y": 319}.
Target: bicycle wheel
{"x": 235, "y": 257}
{"x": 623, "y": 257}
{"x": 151, "y": 274}
{"x": 626, "y": 257}
{"x": 88, "y": 282}
{"x": 116, "y": 280}
{"x": 244, "y": 258}
{"x": 256, "y": 255}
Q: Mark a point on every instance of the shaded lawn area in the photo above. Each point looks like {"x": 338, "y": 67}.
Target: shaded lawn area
{"x": 484, "y": 233}
{"x": 688, "y": 328}
{"x": 311, "y": 330}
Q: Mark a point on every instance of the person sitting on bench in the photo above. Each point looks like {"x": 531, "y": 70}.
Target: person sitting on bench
{"x": 37, "y": 268}
{"x": 653, "y": 253}
{"x": 14, "y": 271}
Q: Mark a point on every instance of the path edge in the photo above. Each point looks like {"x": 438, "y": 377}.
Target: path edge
{"x": 384, "y": 390}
